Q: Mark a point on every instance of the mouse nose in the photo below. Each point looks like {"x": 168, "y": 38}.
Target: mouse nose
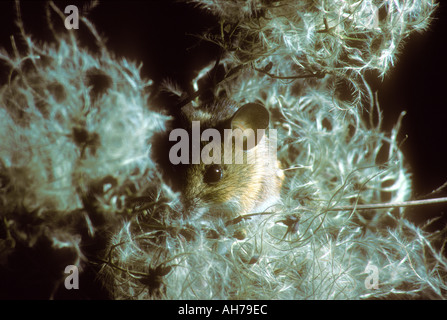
{"x": 194, "y": 213}
{"x": 192, "y": 209}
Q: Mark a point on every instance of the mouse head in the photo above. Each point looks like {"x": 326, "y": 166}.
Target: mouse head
{"x": 228, "y": 177}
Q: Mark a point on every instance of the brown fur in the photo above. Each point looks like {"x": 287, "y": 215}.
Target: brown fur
{"x": 244, "y": 188}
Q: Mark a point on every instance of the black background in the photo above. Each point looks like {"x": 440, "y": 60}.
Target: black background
{"x": 159, "y": 33}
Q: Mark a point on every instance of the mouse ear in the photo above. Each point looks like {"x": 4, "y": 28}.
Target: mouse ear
{"x": 251, "y": 116}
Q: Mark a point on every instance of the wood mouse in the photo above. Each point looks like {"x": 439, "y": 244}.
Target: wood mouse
{"x": 227, "y": 188}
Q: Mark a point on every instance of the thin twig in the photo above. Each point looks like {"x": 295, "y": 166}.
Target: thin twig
{"x": 437, "y": 190}
{"x": 317, "y": 74}
{"x": 411, "y": 203}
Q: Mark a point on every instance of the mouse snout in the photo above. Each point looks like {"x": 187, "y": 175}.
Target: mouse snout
{"x": 195, "y": 208}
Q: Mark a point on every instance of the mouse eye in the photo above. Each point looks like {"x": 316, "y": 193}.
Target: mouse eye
{"x": 213, "y": 174}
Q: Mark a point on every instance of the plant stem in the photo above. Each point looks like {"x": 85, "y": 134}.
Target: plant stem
{"x": 412, "y": 203}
